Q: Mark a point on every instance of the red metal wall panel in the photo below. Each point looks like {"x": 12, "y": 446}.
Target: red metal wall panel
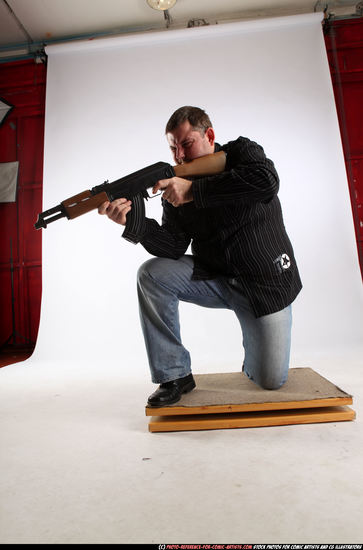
{"x": 357, "y": 170}
{"x": 344, "y": 43}
{"x": 22, "y": 84}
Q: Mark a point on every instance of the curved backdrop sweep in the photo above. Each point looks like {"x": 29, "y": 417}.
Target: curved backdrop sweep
{"x": 106, "y": 107}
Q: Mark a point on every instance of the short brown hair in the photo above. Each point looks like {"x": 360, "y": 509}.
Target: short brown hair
{"x": 197, "y": 118}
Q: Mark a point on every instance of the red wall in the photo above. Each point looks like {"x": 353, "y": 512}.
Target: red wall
{"x": 22, "y": 84}
{"x": 344, "y": 43}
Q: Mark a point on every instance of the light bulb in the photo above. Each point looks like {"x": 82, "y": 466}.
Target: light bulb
{"x": 161, "y": 4}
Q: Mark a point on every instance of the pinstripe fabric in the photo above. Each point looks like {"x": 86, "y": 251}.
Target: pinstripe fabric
{"x": 236, "y": 229}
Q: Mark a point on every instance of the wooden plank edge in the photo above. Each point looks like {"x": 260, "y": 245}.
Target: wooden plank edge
{"x": 251, "y": 420}
{"x": 245, "y": 407}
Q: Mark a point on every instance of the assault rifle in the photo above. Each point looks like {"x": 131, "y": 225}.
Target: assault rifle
{"x": 132, "y": 187}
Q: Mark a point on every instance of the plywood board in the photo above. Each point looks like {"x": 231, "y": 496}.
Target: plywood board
{"x": 250, "y": 419}
{"x": 234, "y": 392}
{"x": 248, "y": 407}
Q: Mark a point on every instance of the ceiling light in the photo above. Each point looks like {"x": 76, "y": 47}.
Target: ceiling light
{"x": 161, "y": 4}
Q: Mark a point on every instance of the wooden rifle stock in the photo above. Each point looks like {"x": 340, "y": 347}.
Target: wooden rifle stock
{"x": 208, "y": 165}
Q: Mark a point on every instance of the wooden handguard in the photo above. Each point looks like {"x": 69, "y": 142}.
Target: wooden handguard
{"x": 83, "y": 203}
{"x": 209, "y": 165}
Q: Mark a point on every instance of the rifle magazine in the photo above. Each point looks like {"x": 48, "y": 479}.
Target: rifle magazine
{"x": 135, "y": 220}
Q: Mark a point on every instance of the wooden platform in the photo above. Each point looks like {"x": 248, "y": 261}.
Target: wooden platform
{"x": 230, "y": 400}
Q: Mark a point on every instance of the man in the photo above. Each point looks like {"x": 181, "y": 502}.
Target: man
{"x": 241, "y": 259}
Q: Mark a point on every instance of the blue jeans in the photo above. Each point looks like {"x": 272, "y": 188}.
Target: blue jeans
{"x": 163, "y": 282}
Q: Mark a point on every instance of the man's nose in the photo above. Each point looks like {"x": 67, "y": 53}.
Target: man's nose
{"x": 179, "y": 153}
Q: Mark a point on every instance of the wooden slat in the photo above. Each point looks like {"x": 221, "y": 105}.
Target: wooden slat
{"x": 250, "y": 419}
{"x": 245, "y": 407}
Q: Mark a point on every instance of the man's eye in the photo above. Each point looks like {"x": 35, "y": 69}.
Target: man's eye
{"x": 187, "y": 144}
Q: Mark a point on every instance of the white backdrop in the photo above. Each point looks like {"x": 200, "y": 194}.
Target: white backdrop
{"x": 106, "y": 108}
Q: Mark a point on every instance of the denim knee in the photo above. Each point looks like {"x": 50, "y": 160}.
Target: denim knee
{"x": 149, "y": 271}
{"x": 158, "y": 269}
{"x": 273, "y": 384}
{"x": 268, "y": 380}
{"x": 143, "y": 270}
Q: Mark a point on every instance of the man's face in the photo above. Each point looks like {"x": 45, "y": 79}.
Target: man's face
{"x": 187, "y": 144}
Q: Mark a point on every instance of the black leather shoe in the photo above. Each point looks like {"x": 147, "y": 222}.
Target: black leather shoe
{"x": 170, "y": 392}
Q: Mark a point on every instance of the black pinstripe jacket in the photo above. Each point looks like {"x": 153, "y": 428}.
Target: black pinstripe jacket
{"x": 236, "y": 229}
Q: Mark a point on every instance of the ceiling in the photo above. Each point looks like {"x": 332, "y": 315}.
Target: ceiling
{"x": 26, "y": 24}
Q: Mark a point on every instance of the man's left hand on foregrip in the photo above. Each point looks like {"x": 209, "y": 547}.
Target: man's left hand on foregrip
{"x": 116, "y": 210}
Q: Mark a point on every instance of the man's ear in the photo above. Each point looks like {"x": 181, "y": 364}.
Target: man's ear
{"x": 210, "y": 135}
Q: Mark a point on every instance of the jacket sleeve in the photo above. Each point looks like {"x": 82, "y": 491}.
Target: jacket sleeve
{"x": 249, "y": 177}
{"x": 167, "y": 240}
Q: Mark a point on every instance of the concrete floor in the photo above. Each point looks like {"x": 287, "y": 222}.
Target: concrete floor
{"x": 78, "y": 465}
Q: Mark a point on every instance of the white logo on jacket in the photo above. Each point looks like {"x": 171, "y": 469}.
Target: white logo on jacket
{"x": 282, "y": 262}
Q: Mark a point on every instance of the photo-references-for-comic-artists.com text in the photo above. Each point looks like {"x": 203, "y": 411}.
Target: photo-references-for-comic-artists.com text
{"x": 260, "y": 546}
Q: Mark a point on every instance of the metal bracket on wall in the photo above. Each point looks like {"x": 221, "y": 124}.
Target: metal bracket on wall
{"x": 197, "y": 23}
{"x": 350, "y": 9}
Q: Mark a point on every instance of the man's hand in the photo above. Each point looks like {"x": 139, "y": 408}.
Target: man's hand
{"x": 177, "y": 191}
{"x": 116, "y": 210}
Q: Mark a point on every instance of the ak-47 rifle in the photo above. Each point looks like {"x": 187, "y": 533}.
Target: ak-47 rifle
{"x": 132, "y": 187}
